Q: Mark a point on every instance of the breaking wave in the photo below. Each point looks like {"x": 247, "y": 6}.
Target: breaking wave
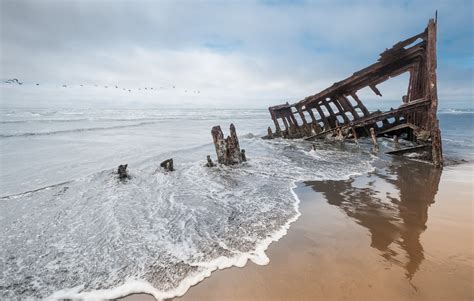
{"x": 102, "y": 128}
{"x": 455, "y": 111}
{"x": 159, "y": 233}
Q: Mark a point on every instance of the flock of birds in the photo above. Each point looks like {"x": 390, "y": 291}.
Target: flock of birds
{"x": 18, "y": 82}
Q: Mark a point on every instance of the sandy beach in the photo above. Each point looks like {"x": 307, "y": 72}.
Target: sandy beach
{"x": 402, "y": 232}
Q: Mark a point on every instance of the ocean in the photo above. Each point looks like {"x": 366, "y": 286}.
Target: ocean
{"x": 69, "y": 228}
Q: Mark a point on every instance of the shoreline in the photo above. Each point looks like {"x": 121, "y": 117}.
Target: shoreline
{"x": 335, "y": 245}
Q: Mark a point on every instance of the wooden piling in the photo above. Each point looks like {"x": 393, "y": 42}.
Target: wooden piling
{"x": 395, "y": 142}
{"x": 374, "y": 139}
{"x": 167, "y": 165}
{"x": 242, "y": 155}
{"x": 227, "y": 150}
{"x": 209, "y": 161}
{"x": 122, "y": 172}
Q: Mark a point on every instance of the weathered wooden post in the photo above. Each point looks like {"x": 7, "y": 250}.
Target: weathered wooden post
{"x": 339, "y": 136}
{"x": 233, "y": 147}
{"x": 395, "y": 142}
{"x": 167, "y": 164}
{"x": 242, "y": 155}
{"x": 354, "y": 134}
{"x": 219, "y": 144}
{"x": 270, "y": 134}
{"x": 122, "y": 172}
{"x": 227, "y": 150}
{"x": 374, "y": 139}
{"x": 209, "y": 161}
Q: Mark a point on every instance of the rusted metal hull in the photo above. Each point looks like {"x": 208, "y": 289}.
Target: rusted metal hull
{"x": 338, "y": 109}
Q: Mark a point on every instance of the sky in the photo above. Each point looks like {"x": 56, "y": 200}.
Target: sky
{"x": 248, "y": 54}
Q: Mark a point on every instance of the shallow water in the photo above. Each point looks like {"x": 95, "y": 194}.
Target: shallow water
{"x": 157, "y": 232}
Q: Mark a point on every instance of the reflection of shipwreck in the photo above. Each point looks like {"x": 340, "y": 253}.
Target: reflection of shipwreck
{"x": 395, "y": 222}
{"x": 338, "y": 110}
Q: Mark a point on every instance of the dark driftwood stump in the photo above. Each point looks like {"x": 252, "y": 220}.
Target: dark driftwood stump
{"x": 270, "y": 134}
{"x": 167, "y": 164}
{"x": 209, "y": 162}
{"x": 122, "y": 172}
{"x": 227, "y": 150}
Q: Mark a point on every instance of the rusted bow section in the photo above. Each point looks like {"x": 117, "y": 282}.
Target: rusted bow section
{"x": 338, "y": 110}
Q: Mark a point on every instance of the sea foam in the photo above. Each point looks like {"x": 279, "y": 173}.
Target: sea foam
{"x": 159, "y": 233}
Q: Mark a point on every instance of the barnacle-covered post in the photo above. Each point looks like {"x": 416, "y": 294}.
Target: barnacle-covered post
{"x": 219, "y": 144}
{"x": 227, "y": 150}
{"x": 233, "y": 147}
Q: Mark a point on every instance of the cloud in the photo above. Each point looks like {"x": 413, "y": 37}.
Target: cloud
{"x": 253, "y": 53}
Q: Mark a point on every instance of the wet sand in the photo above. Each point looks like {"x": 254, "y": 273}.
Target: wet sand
{"x": 403, "y": 232}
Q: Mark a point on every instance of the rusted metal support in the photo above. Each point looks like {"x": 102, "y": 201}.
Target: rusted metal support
{"x": 396, "y": 144}
{"x": 354, "y": 135}
{"x": 376, "y": 91}
{"x": 360, "y": 104}
{"x": 339, "y": 135}
{"x": 275, "y": 121}
{"x": 413, "y": 149}
{"x": 374, "y": 139}
{"x": 432, "y": 92}
{"x": 414, "y": 120}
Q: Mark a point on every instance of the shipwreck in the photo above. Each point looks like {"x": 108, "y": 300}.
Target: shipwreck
{"x": 338, "y": 111}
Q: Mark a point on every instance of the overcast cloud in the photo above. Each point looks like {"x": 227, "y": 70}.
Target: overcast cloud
{"x": 251, "y": 53}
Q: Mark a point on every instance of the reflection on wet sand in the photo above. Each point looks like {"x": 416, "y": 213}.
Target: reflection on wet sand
{"x": 396, "y": 216}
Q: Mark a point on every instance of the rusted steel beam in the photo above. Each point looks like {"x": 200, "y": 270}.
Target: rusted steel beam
{"x": 275, "y": 121}
{"x": 376, "y": 91}
{"x": 373, "y": 136}
{"x": 348, "y": 106}
{"x": 374, "y": 118}
{"x": 409, "y": 149}
{"x": 432, "y": 92}
{"x": 315, "y": 125}
{"x": 327, "y": 125}
{"x": 360, "y": 104}
{"x": 416, "y": 116}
